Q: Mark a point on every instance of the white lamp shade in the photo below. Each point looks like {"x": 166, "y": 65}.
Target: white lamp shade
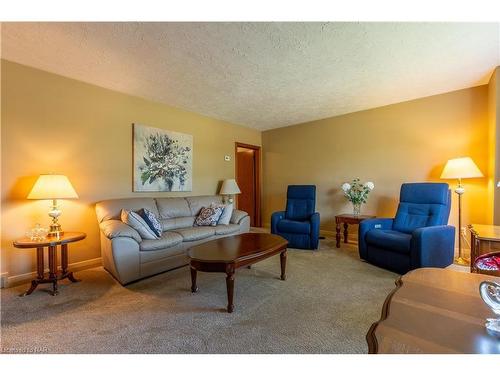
{"x": 229, "y": 187}
{"x": 461, "y": 168}
{"x": 52, "y": 186}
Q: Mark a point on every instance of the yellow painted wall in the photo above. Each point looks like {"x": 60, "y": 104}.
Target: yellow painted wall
{"x": 494, "y": 144}
{"x": 405, "y": 142}
{"x": 54, "y": 124}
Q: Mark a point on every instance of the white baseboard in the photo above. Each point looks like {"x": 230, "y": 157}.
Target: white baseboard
{"x": 4, "y": 279}
{"x": 8, "y": 281}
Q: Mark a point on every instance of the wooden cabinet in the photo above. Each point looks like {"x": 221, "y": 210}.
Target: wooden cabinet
{"x": 484, "y": 239}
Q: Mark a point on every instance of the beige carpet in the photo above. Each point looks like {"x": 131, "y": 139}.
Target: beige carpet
{"x": 326, "y": 305}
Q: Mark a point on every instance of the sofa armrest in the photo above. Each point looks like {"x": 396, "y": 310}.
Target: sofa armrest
{"x": 116, "y": 228}
{"x": 276, "y": 217}
{"x": 237, "y": 216}
{"x": 432, "y": 246}
{"x": 315, "y": 220}
{"x": 367, "y": 225}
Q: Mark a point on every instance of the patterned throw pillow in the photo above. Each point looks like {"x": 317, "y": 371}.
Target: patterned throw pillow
{"x": 208, "y": 216}
{"x": 137, "y": 222}
{"x": 151, "y": 220}
{"x": 227, "y": 212}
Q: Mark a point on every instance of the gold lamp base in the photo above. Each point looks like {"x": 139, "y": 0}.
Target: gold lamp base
{"x": 462, "y": 261}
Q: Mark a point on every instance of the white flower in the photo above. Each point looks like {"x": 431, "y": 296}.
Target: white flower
{"x": 370, "y": 185}
{"x": 346, "y": 186}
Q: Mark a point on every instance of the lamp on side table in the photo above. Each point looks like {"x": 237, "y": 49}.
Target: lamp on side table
{"x": 54, "y": 187}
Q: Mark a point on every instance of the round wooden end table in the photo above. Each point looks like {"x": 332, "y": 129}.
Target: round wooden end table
{"x": 51, "y": 243}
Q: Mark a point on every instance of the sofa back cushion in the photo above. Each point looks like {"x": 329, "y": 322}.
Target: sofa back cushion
{"x": 300, "y": 202}
{"x": 422, "y": 205}
{"x": 177, "y": 222}
{"x": 111, "y": 209}
{"x": 173, "y": 207}
{"x": 197, "y": 203}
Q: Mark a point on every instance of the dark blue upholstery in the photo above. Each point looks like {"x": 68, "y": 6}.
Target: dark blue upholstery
{"x": 299, "y": 224}
{"x": 417, "y": 237}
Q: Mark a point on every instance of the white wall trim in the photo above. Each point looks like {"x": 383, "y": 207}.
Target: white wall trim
{"x": 4, "y": 279}
{"x": 9, "y": 281}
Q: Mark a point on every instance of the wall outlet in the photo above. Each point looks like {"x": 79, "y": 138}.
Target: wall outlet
{"x": 227, "y": 158}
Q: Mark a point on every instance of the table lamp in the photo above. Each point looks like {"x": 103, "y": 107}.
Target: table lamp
{"x": 229, "y": 188}
{"x": 460, "y": 168}
{"x": 53, "y": 186}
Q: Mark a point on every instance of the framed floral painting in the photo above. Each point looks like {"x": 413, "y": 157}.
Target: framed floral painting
{"x": 163, "y": 160}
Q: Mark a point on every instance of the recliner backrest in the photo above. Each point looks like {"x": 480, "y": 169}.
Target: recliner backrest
{"x": 422, "y": 205}
{"x": 300, "y": 202}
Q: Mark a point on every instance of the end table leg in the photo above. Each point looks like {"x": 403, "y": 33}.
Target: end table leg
{"x": 230, "y": 289}
{"x": 345, "y": 232}
{"x": 53, "y": 269}
{"x": 194, "y": 287}
{"x": 72, "y": 278}
{"x": 39, "y": 263}
{"x": 283, "y": 264}
{"x": 34, "y": 284}
{"x": 55, "y": 291}
{"x": 64, "y": 258}
{"x": 52, "y": 262}
{"x": 337, "y": 236}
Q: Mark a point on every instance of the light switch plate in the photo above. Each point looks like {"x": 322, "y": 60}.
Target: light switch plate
{"x": 227, "y": 158}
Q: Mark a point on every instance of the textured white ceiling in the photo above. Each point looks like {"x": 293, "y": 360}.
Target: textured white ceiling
{"x": 263, "y": 75}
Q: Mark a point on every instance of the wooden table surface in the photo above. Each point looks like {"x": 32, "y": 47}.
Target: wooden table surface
{"x": 434, "y": 311}
{"x": 237, "y": 248}
{"x": 66, "y": 237}
{"x": 486, "y": 232}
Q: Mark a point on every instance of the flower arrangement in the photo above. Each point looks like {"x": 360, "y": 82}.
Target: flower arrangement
{"x": 357, "y": 193}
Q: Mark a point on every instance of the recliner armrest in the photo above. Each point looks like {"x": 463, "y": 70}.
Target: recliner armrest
{"x": 237, "y": 216}
{"x": 433, "y": 246}
{"x": 117, "y": 228}
{"x": 276, "y": 217}
{"x": 315, "y": 221}
{"x": 367, "y": 225}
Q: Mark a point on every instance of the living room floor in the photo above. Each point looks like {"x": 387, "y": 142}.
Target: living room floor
{"x": 326, "y": 305}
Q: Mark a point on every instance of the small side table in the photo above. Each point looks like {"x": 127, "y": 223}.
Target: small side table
{"x": 348, "y": 219}
{"x": 51, "y": 243}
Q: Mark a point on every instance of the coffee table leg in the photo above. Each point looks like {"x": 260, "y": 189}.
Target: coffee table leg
{"x": 337, "y": 237}
{"x": 345, "y": 232}
{"x": 194, "y": 287}
{"x": 230, "y": 288}
{"x": 283, "y": 264}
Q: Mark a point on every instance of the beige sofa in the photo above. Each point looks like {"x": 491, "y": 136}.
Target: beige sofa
{"x": 128, "y": 257}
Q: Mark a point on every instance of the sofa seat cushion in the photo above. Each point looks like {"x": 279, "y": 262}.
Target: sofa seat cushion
{"x": 227, "y": 229}
{"x": 195, "y": 233}
{"x": 390, "y": 240}
{"x": 158, "y": 255}
{"x": 167, "y": 239}
{"x": 292, "y": 226}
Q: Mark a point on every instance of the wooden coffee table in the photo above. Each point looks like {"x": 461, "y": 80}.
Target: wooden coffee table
{"x": 229, "y": 253}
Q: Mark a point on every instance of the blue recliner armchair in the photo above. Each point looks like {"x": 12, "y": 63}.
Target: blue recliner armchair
{"x": 417, "y": 237}
{"x": 299, "y": 224}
